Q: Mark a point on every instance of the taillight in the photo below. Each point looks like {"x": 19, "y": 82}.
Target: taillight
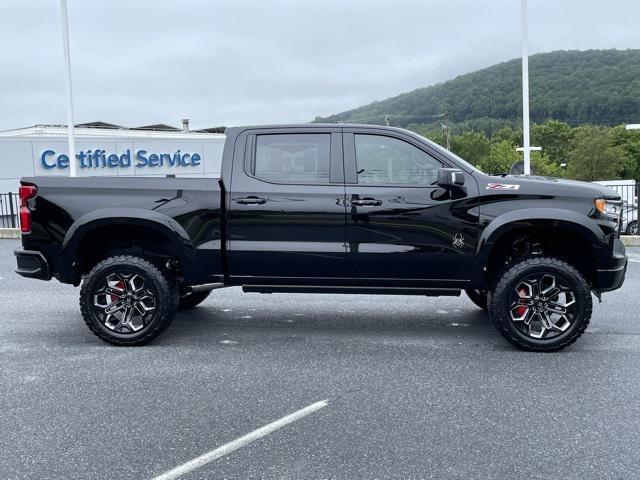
{"x": 26, "y": 192}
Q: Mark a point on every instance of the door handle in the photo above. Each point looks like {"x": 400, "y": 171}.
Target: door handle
{"x": 251, "y": 201}
{"x": 366, "y": 202}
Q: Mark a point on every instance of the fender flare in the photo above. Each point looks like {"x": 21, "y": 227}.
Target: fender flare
{"x": 532, "y": 217}
{"x": 179, "y": 239}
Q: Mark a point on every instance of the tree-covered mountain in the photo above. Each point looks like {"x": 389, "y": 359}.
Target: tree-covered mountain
{"x": 576, "y": 87}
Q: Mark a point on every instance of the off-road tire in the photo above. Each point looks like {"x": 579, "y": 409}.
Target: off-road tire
{"x": 500, "y": 303}
{"x": 192, "y": 300}
{"x": 166, "y": 299}
{"x": 478, "y": 297}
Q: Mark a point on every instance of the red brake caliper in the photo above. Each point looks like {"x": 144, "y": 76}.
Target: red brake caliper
{"x": 522, "y": 309}
{"x": 119, "y": 285}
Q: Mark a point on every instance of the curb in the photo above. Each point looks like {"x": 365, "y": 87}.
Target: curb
{"x": 631, "y": 240}
{"x": 12, "y": 233}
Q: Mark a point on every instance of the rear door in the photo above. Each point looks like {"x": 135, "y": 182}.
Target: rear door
{"x": 402, "y": 227}
{"x": 286, "y": 207}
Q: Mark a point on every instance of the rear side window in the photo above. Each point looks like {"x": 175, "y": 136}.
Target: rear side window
{"x": 387, "y": 160}
{"x": 292, "y": 158}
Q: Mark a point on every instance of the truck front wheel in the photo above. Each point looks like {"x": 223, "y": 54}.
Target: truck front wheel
{"x": 127, "y": 300}
{"x": 541, "y": 304}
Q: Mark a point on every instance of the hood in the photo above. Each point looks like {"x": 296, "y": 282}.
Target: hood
{"x": 559, "y": 185}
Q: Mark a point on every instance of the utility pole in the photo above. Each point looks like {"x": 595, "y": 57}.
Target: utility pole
{"x": 67, "y": 59}
{"x": 526, "y": 148}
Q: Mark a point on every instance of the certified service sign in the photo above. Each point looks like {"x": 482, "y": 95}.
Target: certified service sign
{"x": 99, "y": 158}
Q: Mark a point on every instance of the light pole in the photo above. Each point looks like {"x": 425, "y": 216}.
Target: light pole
{"x": 67, "y": 59}
{"x": 526, "y": 148}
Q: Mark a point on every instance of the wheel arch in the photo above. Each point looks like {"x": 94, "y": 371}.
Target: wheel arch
{"x": 101, "y": 228}
{"x": 549, "y": 222}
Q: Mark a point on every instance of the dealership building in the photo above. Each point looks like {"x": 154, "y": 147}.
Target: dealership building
{"x": 112, "y": 150}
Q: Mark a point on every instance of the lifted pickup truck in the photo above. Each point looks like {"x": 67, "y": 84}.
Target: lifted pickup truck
{"x": 327, "y": 209}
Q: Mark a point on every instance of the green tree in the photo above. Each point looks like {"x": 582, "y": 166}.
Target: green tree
{"x": 542, "y": 165}
{"x": 629, "y": 141}
{"x": 593, "y": 156}
{"x": 508, "y": 134}
{"x": 555, "y": 139}
{"x": 437, "y": 137}
{"x": 430, "y": 131}
{"x": 474, "y": 147}
{"x": 502, "y": 155}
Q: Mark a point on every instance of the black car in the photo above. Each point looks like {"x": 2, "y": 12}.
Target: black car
{"x": 327, "y": 209}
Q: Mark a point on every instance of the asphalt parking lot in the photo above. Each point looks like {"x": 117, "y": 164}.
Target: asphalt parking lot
{"x": 415, "y": 388}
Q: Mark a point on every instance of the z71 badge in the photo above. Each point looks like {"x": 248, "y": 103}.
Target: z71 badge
{"x": 502, "y": 186}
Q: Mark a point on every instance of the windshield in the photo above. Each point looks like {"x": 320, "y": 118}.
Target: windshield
{"x": 444, "y": 151}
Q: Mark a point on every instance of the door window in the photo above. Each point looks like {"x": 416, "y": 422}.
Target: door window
{"x": 292, "y": 158}
{"x": 388, "y": 160}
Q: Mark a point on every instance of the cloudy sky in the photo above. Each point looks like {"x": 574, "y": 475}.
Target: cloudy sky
{"x": 239, "y": 62}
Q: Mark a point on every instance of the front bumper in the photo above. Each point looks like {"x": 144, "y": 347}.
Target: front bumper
{"x": 32, "y": 264}
{"x": 612, "y": 277}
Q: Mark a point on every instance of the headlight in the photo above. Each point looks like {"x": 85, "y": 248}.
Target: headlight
{"x": 607, "y": 208}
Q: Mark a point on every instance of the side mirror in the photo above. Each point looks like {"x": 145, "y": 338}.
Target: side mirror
{"x": 450, "y": 178}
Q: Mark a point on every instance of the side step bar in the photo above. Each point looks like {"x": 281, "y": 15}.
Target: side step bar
{"x": 205, "y": 287}
{"x": 429, "y": 292}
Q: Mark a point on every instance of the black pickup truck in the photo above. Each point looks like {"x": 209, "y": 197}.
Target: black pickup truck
{"x": 327, "y": 209}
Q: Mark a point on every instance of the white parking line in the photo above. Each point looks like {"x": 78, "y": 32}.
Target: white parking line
{"x": 239, "y": 442}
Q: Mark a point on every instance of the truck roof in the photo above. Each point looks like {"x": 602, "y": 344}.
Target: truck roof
{"x": 319, "y": 125}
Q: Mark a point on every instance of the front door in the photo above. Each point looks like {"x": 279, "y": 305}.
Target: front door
{"x": 286, "y": 209}
{"x": 401, "y": 227}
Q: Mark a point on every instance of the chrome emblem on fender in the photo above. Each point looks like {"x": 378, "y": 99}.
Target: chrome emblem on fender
{"x": 458, "y": 240}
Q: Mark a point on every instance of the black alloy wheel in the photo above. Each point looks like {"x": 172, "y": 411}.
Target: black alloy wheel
{"x": 542, "y": 307}
{"x": 541, "y": 304}
{"x": 127, "y": 300}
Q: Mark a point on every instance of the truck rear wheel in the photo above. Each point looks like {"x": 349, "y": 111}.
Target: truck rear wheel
{"x": 127, "y": 300}
{"x": 541, "y": 304}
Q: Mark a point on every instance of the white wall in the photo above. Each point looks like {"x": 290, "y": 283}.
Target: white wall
{"x": 21, "y": 157}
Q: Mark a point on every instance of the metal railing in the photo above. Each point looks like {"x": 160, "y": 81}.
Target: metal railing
{"x": 9, "y": 210}
{"x": 629, "y": 214}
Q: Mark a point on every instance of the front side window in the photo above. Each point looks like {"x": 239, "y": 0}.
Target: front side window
{"x": 387, "y": 160}
{"x": 292, "y": 158}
